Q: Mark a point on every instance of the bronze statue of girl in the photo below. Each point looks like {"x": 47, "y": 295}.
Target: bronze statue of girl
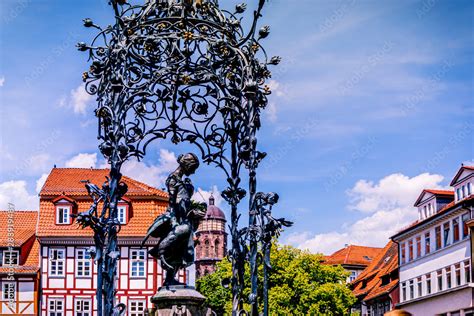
{"x": 175, "y": 228}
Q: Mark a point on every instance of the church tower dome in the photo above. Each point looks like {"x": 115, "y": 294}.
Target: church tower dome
{"x": 211, "y": 240}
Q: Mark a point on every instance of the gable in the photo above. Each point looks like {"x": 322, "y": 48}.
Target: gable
{"x": 424, "y": 197}
{"x": 463, "y": 173}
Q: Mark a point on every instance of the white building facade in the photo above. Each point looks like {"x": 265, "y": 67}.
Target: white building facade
{"x": 435, "y": 261}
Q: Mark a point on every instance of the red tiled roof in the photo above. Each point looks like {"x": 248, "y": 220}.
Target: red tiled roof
{"x": 69, "y": 182}
{"x": 435, "y": 192}
{"x": 353, "y": 255}
{"x": 24, "y": 226}
{"x": 368, "y": 284}
{"x": 440, "y": 192}
{"x": 146, "y": 203}
{"x": 446, "y": 208}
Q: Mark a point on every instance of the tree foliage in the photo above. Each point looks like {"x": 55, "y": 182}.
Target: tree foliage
{"x": 299, "y": 285}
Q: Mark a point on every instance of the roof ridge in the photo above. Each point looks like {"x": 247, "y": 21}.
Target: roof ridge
{"x": 78, "y": 168}
{"x": 21, "y": 211}
{"x": 348, "y": 252}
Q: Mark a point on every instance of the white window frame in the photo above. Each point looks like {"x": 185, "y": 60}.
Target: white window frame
{"x": 79, "y": 309}
{"x": 66, "y": 218}
{"x": 137, "y": 261}
{"x": 57, "y": 262}
{"x": 5, "y": 252}
{"x": 122, "y": 210}
{"x": 82, "y": 263}
{"x": 6, "y": 290}
{"x": 133, "y": 309}
{"x": 55, "y": 311}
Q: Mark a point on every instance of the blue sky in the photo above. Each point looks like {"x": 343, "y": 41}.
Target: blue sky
{"x": 373, "y": 102}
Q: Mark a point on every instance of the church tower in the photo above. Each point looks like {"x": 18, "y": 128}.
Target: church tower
{"x": 211, "y": 240}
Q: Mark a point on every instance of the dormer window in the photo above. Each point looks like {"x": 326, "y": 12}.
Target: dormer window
{"x": 11, "y": 257}
{"x": 462, "y": 182}
{"x": 64, "y": 207}
{"x": 122, "y": 213}
{"x": 63, "y": 213}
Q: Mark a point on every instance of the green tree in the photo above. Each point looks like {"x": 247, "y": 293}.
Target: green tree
{"x": 299, "y": 285}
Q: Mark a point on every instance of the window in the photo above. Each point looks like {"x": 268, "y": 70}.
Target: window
{"x": 440, "y": 280}
{"x": 83, "y": 308}
{"x": 56, "y": 261}
{"x": 63, "y": 213}
{"x": 137, "y": 308}
{"x": 425, "y": 211}
{"x": 458, "y": 193}
{"x": 419, "y": 286}
{"x": 448, "y": 277}
{"x": 404, "y": 291}
{"x": 9, "y": 291}
{"x": 427, "y": 243}
{"x": 465, "y": 229}
{"x": 138, "y": 258}
{"x": 217, "y": 248}
{"x": 418, "y": 246}
{"x": 467, "y": 271}
{"x": 463, "y": 191}
{"x": 457, "y": 274}
{"x": 83, "y": 260}
{"x": 402, "y": 253}
{"x": 438, "y": 237}
{"x": 411, "y": 289}
{"x": 410, "y": 250}
{"x": 353, "y": 276}
{"x": 122, "y": 214}
{"x": 207, "y": 249}
{"x": 10, "y": 257}
{"x": 469, "y": 189}
{"x": 56, "y": 307}
{"x": 455, "y": 230}
{"x": 446, "y": 229}
{"x": 428, "y": 284}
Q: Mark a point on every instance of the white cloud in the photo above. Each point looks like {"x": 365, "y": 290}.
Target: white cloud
{"x": 15, "y": 192}
{"x": 79, "y": 99}
{"x": 271, "y": 112}
{"x": 203, "y": 196}
{"x": 390, "y": 205}
{"x": 395, "y": 190}
{"x": 40, "y": 182}
{"x": 278, "y": 90}
{"x": 2, "y": 81}
{"x": 82, "y": 160}
{"x": 154, "y": 175}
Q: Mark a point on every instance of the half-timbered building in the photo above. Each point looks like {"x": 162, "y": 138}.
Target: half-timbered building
{"x": 68, "y": 274}
{"x": 19, "y": 264}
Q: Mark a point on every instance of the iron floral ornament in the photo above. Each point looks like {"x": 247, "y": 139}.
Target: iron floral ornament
{"x": 184, "y": 71}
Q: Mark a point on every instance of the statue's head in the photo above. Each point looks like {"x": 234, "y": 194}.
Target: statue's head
{"x": 189, "y": 163}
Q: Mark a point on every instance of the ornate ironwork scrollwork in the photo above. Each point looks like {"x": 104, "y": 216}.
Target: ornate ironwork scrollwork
{"x": 186, "y": 71}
